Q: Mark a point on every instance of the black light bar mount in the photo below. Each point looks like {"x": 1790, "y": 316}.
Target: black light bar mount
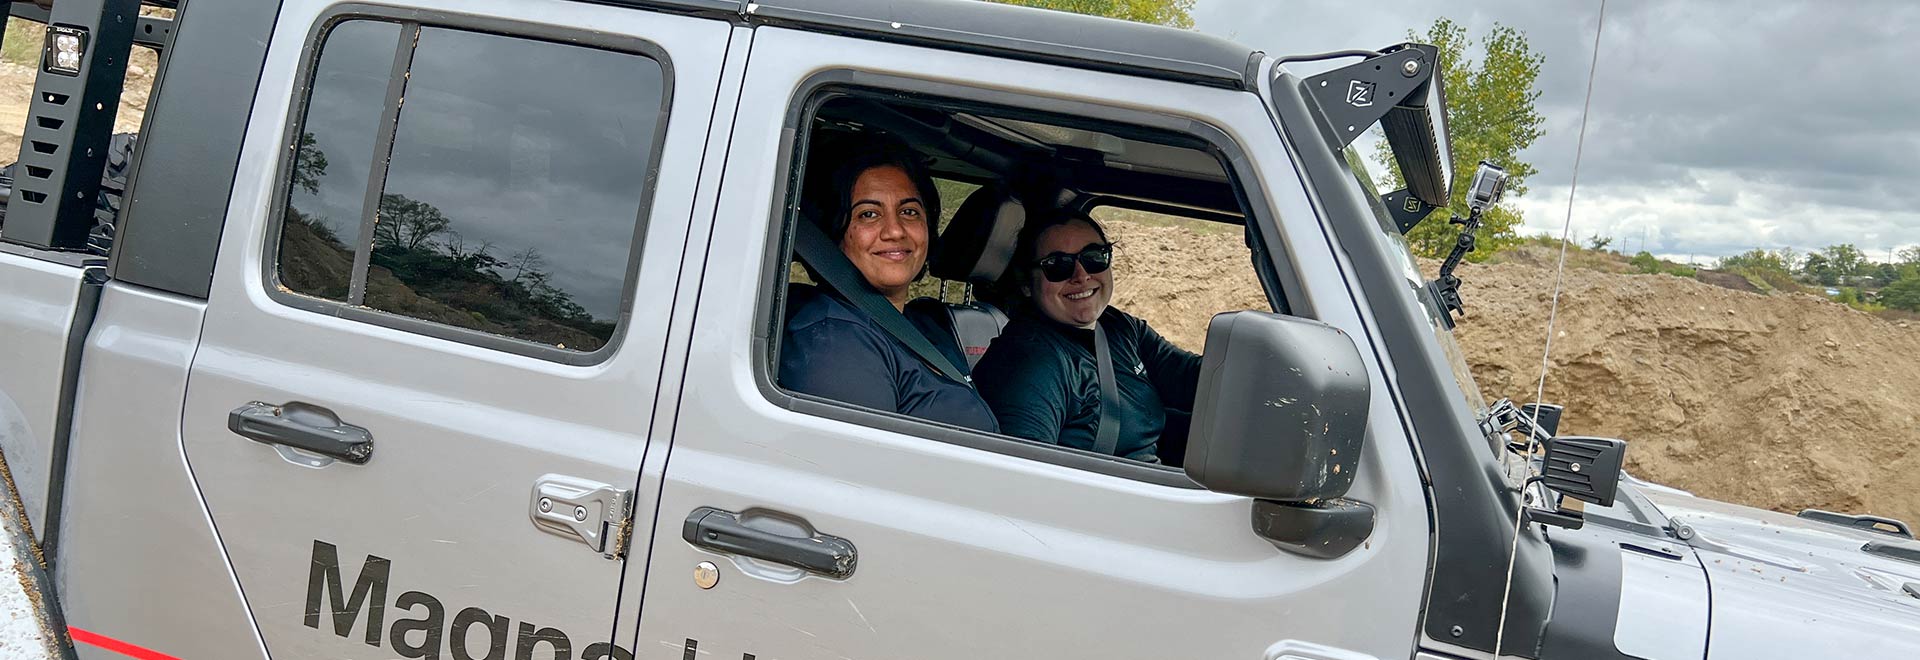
{"x": 63, "y": 147}
{"x": 1400, "y": 87}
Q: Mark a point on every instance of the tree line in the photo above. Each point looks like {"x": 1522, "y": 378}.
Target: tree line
{"x": 1858, "y": 281}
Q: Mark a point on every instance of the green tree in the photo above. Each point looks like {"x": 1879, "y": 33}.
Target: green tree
{"x": 1839, "y": 264}
{"x": 1645, "y": 263}
{"x": 1599, "y": 243}
{"x": 1172, "y": 13}
{"x": 1902, "y": 294}
{"x": 1490, "y": 117}
{"x": 1909, "y": 256}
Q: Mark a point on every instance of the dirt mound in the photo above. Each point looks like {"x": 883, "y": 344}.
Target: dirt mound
{"x": 1783, "y": 401}
{"x": 1727, "y": 280}
{"x": 1177, "y": 277}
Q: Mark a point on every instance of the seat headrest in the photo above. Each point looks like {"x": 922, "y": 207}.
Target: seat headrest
{"x": 978, "y": 244}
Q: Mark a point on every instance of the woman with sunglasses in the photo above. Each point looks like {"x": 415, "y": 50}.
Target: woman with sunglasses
{"x": 1042, "y": 375}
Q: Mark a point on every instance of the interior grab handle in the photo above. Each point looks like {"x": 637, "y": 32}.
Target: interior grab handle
{"x": 302, "y": 426}
{"x": 722, "y": 531}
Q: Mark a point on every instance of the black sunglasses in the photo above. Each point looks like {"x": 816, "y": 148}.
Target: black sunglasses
{"x": 1058, "y": 267}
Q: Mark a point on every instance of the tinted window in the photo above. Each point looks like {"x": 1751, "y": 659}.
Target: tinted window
{"x": 335, "y": 150}
{"x": 513, "y": 190}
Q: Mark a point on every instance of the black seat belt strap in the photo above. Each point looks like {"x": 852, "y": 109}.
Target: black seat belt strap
{"x": 1106, "y": 435}
{"x": 827, "y": 260}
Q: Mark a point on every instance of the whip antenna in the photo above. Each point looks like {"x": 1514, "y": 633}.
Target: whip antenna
{"x": 1553, "y": 311}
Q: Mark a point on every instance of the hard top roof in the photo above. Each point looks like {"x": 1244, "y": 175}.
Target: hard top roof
{"x": 992, "y": 28}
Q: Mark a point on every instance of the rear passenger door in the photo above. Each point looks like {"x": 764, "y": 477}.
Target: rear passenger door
{"x": 432, "y": 346}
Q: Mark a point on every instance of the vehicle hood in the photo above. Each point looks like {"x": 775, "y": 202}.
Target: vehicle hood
{"x": 1788, "y": 587}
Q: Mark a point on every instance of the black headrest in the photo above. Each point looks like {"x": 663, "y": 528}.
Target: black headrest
{"x": 978, "y": 243}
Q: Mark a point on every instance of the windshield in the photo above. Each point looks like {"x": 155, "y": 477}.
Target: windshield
{"x": 1410, "y": 269}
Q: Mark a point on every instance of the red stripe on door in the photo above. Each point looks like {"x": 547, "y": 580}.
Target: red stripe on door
{"x": 116, "y": 646}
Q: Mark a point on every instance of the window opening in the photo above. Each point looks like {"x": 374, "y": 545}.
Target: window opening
{"x": 988, "y": 165}
{"x": 504, "y": 196}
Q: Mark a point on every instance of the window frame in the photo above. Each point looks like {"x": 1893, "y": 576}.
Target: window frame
{"x": 770, "y": 308}
{"x": 383, "y": 147}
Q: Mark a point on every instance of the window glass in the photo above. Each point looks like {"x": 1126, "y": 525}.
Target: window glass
{"x": 333, "y": 158}
{"x": 513, "y": 187}
{"x": 1410, "y": 269}
{"x": 1175, "y": 273}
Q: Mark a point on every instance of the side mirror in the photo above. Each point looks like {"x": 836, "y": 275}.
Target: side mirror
{"x": 1281, "y": 411}
{"x": 1281, "y": 416}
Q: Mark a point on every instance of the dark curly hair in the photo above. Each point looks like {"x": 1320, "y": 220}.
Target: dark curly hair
{"x": 872, "y": 153}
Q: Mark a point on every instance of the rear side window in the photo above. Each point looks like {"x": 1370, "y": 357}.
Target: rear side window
{"x": 497, "y": 184}
{"x": 333, "y": 153}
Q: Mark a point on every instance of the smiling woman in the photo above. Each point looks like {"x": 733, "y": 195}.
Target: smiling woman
{"x": 1071, "y": 369}
{"x": 885, "y": 205}
{"x": 884, "y": 217}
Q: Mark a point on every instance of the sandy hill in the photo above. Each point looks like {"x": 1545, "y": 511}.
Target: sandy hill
{"x": 1782, "y": 401}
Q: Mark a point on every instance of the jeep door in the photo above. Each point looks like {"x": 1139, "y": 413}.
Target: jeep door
{"x": 960, "y": 546}
{"x": 433, "y": 342}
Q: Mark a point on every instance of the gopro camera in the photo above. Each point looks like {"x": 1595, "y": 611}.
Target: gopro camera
{"x": 1489, "y": 182}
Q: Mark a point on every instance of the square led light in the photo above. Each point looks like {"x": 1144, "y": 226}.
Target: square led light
{"x": 66, "y": 48}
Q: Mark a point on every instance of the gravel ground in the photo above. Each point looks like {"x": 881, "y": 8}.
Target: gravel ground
{"x": 24, "y": 633}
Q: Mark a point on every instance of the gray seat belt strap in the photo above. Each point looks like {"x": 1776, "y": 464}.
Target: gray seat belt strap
{"x": 827, "y": 260}
{"x": 1106, "y": 435}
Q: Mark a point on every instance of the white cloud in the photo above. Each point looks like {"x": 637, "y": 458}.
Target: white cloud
{"x": 1716, "y": 126}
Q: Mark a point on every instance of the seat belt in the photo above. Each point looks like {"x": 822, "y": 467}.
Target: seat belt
{"x": 827, "y": 260}
{"x": 1106, "y": 432}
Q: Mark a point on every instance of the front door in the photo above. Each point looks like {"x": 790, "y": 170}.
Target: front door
{"x": 787, "y": 530}
{"x": 433, "y": 345}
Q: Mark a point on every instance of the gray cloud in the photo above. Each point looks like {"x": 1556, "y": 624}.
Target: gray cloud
{"x": 1716, "y": 126}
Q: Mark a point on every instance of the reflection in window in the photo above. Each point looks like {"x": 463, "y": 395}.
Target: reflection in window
{"x": 514, "y": 187}
{"x": 332, "y": 158}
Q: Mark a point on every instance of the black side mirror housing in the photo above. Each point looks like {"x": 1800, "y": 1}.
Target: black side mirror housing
{"x": 1281, "y": 411}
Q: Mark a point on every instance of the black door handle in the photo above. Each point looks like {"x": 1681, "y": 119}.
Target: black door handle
{"x": 302, "y": 426}
{"x": 722, "y": 531}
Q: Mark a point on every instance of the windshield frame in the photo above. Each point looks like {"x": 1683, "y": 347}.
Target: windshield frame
{"x": 1473, "y": 506}
{"x": 1396, "y": 244}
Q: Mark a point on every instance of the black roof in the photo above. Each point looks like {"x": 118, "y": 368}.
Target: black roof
{"x": 992, "y": 28}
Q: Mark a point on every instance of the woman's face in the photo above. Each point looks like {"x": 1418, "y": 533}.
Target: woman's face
{"x": 1079, "y": 300}
{"x": 886, "y": 231}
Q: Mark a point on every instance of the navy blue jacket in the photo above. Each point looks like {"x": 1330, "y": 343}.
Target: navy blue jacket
{"x": 834, "y": 350}
{"x": 1041, "y": 380}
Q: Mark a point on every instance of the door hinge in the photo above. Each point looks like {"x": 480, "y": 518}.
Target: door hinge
{"x": 594, "y": 513}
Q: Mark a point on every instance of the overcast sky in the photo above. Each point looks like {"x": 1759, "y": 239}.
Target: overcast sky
{"x": 1717, "y": 126}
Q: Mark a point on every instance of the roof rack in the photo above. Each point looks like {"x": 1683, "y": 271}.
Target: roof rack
{"x": 63, "y": 147}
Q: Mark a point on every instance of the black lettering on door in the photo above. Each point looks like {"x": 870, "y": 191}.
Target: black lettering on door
{"x": 496, "y": 630}
{"x": 605, "y": 651}
{"x": 370, "y": 590}
{"x": 431, "y": 624}
{"x": 529, "y": 637}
